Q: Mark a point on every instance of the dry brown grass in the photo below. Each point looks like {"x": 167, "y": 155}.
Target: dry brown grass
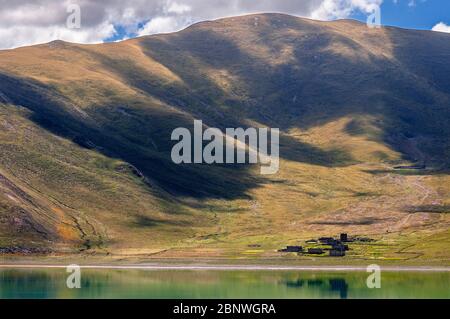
{"x": 306, "y": 77}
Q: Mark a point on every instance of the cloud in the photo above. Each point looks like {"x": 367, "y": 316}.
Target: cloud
{"x": 22, "y": 35}
{"x": 178, "y": 8}
{"x": 338, "y": 9}
{"x": 441, "y": 27}
{"x": 25, "y": 22}
{"x": 160, "y": 25}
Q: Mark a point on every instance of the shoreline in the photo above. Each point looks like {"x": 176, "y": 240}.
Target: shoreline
{"x": 199, "y": 267}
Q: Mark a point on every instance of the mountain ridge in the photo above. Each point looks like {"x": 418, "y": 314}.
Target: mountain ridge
{"x": 86, "y": 134}
{"x": 255, "y": 15}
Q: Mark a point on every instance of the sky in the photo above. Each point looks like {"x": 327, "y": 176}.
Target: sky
{"x": 27, "y": 22}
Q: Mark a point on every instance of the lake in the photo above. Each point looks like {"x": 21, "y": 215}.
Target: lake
{"x": 204, "y": 284}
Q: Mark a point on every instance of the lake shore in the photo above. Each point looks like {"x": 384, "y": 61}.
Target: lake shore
{"x": 160, "y": 266}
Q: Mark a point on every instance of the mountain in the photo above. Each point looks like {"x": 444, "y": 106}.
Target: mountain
{"x": 85, "y": 143}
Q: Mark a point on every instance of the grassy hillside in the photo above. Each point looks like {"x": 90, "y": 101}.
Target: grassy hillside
{"x": 85, "y": 141}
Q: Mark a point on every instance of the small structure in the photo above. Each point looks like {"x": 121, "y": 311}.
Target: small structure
{"x": 326, "y": 239}
{"x": 339, "y": 246}
{"x": 364, "y": 239}
{"x": 337, "y": 252}
{"x": 292, "y": 249}
{"x": 315, "y": 251}
{"x": 344, "y": 237}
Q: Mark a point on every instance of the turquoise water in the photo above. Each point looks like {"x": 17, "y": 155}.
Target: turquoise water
{"x": 51, "y": 283}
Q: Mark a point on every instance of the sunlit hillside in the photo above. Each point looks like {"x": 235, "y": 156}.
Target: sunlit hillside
{"x": 85, "y": 143}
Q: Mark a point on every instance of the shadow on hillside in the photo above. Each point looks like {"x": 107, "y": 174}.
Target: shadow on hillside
{"x": 362, "y": 222}
{"x": 203, "y": 99}
{"x": 430, "y": 209}
{"x": 54, "y": 113}
{"x": 320, "y": 86}
{"x": 145, "y": 221}
{"x": 317, "y": 87}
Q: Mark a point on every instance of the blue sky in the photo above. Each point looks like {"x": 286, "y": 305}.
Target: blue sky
{"x": 420, "y": 14}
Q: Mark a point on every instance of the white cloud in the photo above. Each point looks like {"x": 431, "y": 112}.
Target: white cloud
{"x": 23, "y": 35}
{"x": 178, "y": 8}
{"x": 160, "y": 25}
{"x": 24, "y": 22}
{"x": 441, "y": 27}
{"x": 338, "y": 9}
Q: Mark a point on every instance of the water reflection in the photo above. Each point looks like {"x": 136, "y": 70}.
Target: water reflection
{"x": 51, "y": 283}
{"x": 339, "y": 285}
{"x": 295, "y": 284}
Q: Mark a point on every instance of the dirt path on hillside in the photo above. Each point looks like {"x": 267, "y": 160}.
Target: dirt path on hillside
{"x": 388, "y": 212}
{"x": 417, "y": 184}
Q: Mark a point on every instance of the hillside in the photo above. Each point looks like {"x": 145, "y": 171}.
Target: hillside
{"x": 85, "y": 141}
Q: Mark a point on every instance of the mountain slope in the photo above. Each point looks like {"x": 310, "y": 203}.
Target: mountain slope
{"x": 85, "y": 143}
